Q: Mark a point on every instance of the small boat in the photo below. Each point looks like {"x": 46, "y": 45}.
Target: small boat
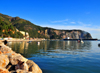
{"x": 38, "y": 43}
{"x": 82, "y": 41}
{"x": 29, "y": 41}
{"x": 78, "y": 41}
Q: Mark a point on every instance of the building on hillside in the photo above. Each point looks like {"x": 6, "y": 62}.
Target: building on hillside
{"x": 27, "y": 34}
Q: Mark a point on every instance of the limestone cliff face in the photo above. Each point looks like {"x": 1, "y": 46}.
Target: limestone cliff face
{"x": 72, "y": 34}
{"x": 36, "y": 31}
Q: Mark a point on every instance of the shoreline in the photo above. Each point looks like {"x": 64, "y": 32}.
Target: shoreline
{"x": 21, "y": 40}
{"x": 12, "y": 62}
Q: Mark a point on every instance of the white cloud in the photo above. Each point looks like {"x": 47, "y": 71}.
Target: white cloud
{"x": 64, "y": 23}
{"x": 73, "y": 22}
{"x": 59, "y": 21}
{"x": 93, "y": 31}
{"x": 71, "y": 27}
{"x": 83, "y": 24}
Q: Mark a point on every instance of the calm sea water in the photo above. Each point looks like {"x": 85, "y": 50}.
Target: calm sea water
{"x": 62, "y": 56}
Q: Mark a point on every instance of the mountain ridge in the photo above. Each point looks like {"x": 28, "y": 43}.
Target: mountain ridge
{"x": 36, "y": 31}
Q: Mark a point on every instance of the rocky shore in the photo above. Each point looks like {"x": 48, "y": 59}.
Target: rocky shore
{"x": 12, "y": 62}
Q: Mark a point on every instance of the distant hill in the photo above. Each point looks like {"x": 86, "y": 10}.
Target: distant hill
{"x": 40, "y": 32}
{"x": 7, "y": 29}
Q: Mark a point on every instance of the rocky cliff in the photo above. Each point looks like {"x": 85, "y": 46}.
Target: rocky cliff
{"x": 41, "y": 32}
{"x": 72, "y": 34}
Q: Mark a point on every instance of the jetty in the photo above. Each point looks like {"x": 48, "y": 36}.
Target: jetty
{"x": 80, "y": 39}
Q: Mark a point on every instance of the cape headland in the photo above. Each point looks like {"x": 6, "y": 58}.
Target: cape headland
{"x": 17, "y": 27}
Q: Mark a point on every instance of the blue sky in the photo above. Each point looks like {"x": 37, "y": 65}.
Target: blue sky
{"x": 58, "y": 14}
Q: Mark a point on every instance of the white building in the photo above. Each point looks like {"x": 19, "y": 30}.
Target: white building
{"x": 27, "y": 35}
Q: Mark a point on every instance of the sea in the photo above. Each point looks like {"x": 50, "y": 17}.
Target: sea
{"x": 58, "y": 56}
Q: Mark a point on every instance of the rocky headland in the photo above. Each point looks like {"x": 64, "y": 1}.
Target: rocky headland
{"x": 17, "y": 27}
{"x": 12, "y": 62}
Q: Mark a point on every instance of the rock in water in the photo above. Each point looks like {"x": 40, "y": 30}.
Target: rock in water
{"x": 13, "y": 58}
{"x": 11, "y": 62}
{"x": 33, "y": 67}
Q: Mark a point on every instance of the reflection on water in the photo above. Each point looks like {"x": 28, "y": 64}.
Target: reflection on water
{"x": 45, "y": 47}
{"x": 62, "y": 56}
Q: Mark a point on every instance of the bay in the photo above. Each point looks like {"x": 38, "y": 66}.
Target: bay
{"x": 61, "y": 56}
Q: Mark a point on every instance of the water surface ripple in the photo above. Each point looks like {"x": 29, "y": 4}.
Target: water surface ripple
{"x": 62, "y": 56}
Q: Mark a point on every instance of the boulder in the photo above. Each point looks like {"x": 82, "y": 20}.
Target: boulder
{"x": 15, "y": 63}
{"x": 13, "y": 58}
{"x": 34, "y": 68}
{"x": 5, "y": 49}
{"x": 3, "y": 70}
{"x": 1, "y": 44}
{"x": 21, "y": 71}
{"x": 3, "y": 60}
{"x": 21, "y": 65}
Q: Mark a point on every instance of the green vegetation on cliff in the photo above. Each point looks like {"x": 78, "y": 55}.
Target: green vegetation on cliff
{"x": 35, "y": 31}
{"x": 7, "y": 29}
